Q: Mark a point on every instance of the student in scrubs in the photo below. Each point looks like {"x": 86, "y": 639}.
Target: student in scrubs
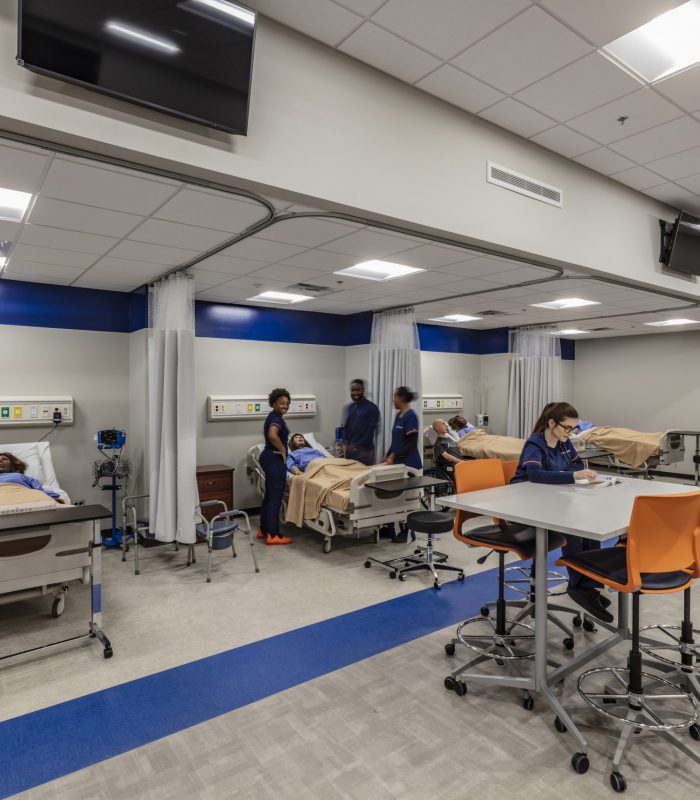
{"x": 273, "y": 461}
{"x": 360, "y": 427}
{"x": 549, "y": 457}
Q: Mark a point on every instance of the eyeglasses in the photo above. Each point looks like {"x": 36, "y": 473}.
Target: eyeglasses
{"x": 569, "y": 428}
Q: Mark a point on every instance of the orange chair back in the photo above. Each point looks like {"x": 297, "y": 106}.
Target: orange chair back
{"x": 509, "y": 469}
{"x": 472, "y": 476}
{"x": 663, "y": 536}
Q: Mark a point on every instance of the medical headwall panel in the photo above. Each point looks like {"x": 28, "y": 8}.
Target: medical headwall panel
{"x": 443, "y": 402}
{"x": 24, "y": 411}
{"x": 249, "y": 406}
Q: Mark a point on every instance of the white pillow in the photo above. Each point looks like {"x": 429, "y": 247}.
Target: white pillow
{"x": 29, "y": 453}
{"x": 51, "y": 480}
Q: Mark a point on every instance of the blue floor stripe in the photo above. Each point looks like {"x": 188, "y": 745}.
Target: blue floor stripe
{"x": 55, "y": 741}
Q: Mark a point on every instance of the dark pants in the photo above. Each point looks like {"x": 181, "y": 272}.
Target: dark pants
{"x": 575, "y": 545}
{"x": 275, "y": 481}
{"x": 361, "y": 454}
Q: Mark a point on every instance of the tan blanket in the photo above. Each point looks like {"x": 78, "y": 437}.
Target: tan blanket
{"x": 478, "y": 444}
{"x": 630, "y": 447}
{"x": 15, "y": 498}
{"x": 325, "y": 482}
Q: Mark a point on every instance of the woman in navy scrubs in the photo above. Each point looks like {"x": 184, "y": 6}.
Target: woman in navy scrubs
{"x": 273, "y": 460}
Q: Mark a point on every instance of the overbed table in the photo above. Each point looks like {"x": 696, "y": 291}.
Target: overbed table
{"x": 594, "y": 511}
{"x": 11, "y": 524}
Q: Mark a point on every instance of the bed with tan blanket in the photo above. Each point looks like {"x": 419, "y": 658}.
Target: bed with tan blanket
{"x": 479, "y": 444}
{"x": 630, "y": 448}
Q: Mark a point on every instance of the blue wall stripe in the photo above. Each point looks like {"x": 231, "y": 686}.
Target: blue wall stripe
{"x": 55, "y": 741}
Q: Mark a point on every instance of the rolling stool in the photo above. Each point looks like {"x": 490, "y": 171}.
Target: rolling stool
{"x": 219, "y": 533}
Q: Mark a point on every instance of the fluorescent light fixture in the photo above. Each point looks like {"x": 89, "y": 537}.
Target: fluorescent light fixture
{"x": 3, "y": 261}
{"x": 454, "y": 318}
{"x": 378, "y": 270}
{"x": 141, "y": 37}
{"x": 665, "y": 45}
{"x": 566, "y": 302}
{"x": 283, "y": 298}
{"x": 568, "y": 332}
{"x": 13, "y": 204}
{"x": 229, "y": 8}
{"x": 665, "y": 323}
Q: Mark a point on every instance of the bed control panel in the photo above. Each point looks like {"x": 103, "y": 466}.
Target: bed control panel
{"x": 443, "y": 402}
{"x": 231, "y": 407}
{"x": 25, "y": 411}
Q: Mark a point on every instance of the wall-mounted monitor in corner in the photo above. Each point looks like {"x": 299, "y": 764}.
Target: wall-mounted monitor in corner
{"x": 680, "y": 247}
{"x": 191, "y": 58}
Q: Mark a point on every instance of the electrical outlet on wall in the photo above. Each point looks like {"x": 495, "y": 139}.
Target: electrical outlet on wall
{"x": 79, "y": 503}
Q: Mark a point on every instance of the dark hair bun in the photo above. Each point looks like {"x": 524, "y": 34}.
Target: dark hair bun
{"x": 405, "y": 394}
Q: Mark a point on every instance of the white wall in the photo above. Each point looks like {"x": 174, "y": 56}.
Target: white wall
{"x": 649, "y": 383}
{"x": 325, "y": 126}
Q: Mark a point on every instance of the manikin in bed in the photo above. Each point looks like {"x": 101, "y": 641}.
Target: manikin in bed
{"x": 12, "y": 471}
{"x": 300, "y": 454}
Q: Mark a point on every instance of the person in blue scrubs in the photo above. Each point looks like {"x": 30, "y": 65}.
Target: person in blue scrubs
{"x": 360, "y": 427}
{"x": 273, "y": 461}
{"x": 301, "y": 454}
{"x": 12, "y": 470}
{"x": 549, "y": 457}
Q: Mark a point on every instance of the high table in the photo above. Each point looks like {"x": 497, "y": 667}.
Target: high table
{"x": 592, "y": 511}
{"x": 11, "y": 524}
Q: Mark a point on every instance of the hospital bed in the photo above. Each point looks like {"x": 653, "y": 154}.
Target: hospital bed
{"x": 627, "y": 450}
{"x": 42, "y": 561}
{"x": 363, "y": 511}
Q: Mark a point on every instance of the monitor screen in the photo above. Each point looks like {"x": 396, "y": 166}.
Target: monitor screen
{"x": 685, "y": 244}
{"x": 189, "y": 58}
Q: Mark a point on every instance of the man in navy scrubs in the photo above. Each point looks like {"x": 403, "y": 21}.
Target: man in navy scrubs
{"x": 361, "y": 423}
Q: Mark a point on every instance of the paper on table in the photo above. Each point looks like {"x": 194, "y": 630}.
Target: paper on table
{"x": 601, "y": 480}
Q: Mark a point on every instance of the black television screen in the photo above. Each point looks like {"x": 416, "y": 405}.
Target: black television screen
{"x": 189, "y": 58}
{"x": 684, "y": 253}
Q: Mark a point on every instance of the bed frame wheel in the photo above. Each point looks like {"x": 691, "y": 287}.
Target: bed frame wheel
{"x": 59, "y": 603}
{"x": 326, "y": 545}
{"x": 108, "y": 652}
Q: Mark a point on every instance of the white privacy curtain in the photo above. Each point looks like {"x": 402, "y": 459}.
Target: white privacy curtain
{"x": 534, "y": 378}
{"x": 171, "y": 410}
{"x": 394, "y": 360}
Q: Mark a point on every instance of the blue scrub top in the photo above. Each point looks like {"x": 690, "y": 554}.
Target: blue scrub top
{"x": 273, "y": 418}
{"x": 361, "y": 425}
{"x": 403, "y": 426}
{"x": 541, "y": 463}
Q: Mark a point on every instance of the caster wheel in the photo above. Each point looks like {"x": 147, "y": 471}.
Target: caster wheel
{"x": 568, "y": 643}
{"x": 460, "y": 688}
{"x": 589, "y": 626}
{"x": 528, "y": 703}
{"x": 485, "y": 611}
{"x": 449, "y": 683}
{"x": 402, "y": 577}
{"x": 392, "y": 575}
{"x": 580, "y": 763}
{"x": 450, "y": 650}
{"x": 436, "y": 584}
{"x": 618, "y": 782}
{"x": 460, "y": 577}
{"x": 57, "y": 607}
{"x": 327, "y": 546}
{"x": 368, "y": 564}
{"x": 416, "y": 552}
{"x": 108, "y": 652}
{"x": 500, "y": 662}
{"x": 577, "y": 622}
{"x": 694, "y": 731}
{"x": 559, "y": 725}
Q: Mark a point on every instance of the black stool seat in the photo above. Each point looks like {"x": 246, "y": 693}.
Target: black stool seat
{"x": 430, "y": 522}
{"x": 611, "y": 563}
{"x": 519, "y": 538}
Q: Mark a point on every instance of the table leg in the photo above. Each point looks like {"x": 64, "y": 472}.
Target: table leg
{"x": 96, "y": 589}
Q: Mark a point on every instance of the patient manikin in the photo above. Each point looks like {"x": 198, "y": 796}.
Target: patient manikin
{"x": 300, "y": 454}
{"x": 12, "y": 471}
{"x": 458, "y": 426}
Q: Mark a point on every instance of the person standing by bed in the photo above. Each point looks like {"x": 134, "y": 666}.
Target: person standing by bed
{"x": 549, "y": 457}
{"x": 360, "y": 426}
{"x": 273, "y": 461}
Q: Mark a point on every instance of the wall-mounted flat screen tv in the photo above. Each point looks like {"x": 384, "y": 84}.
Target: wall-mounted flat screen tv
{"x": 684, "y": 252}
{"x": 189, "y": 58}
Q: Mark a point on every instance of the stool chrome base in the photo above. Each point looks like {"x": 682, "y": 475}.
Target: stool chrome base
{"x": 508, "y": 646}
{"x": 422, "y": 558}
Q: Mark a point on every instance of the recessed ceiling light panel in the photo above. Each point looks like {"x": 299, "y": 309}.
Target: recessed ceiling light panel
{"x": 568, "y": 332}
{"x": 454, "y": 319}
{"x": 378, "y": 270}
{"x": 13, "y": 204}
{"x": 279, "y": 298}
{"x": 666, "y": 323}
{"x": 566, "y": 302}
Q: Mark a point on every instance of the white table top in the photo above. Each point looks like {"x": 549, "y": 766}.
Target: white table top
{"x": 592, "y": 511}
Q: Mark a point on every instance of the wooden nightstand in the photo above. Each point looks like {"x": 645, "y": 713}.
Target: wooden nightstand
{"x": 215, "y": 482}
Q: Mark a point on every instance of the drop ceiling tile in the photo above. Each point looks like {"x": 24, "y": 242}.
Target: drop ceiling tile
{"x": 519, "y": 275}
{"x": 93, "y": 186}
{"x": 692, "y": 183}
{"x": 175, "y": 234}
{"x": 447, "y": 27}
{"x": 596, "y": 80}
{"x": 255, "y": 285}
{"x": 429, "y": 278}
{"x": 638, "y": 178}
{"x": 460, "y": 89}
{"x": 286, "y": 273}
{"x": 466, "y": 285}
{"x": 368, "y": 244}
{"x": 683, "y": 89}
{"x": 680, "y": 165}
{"x": 49, "y": 255}
{"x": 429, "y": 256}
{"x": 672, "y": 195}
{"x": 321, "y": 260}
{"x": 126, "y": 268}
{"x": 383, "y": 50}
{"x": 602, "y": 21}
{"x": 481, "y": 266}
{"x": 216, "y": 210}
{"x": 605, "y": 161}
{"x": 536, "y": 44}
{"x": 347, "y": 296}
{"x": 663, "y": 140}
{"x": 304, "y": 231}
{"x": 105, "y": 281}
{"x": 9, "y": 230}
{"x": 229, "y": 265}
{"x": 327, "y": 22}
{"x": 258, "y": 249}
{"x": 363, "y": 7}
{"x": 158, "y": 254}
{"x": 220, "y": 294}
{"x": 21, "y": 169}
{"x": 420, "y": 295}
{"x": 564, "y": 141}
{"x": 516, "y": 117}
{"x": 204, "y": 278}
{"x": 66, "y": 240}
{"x": 61, "y": 214}
{"x": 21, "y": 269}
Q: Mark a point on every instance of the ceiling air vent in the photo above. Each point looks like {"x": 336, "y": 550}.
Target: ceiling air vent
{"x": 310, "y": 288}
{"x": 492, "y": 313}
{"x": 598, "y": 330}
{"x": 530, "y": 187}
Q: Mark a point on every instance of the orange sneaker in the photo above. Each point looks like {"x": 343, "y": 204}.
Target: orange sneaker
{"x": 260, "y": 534}
{"x": 277, "y": 539}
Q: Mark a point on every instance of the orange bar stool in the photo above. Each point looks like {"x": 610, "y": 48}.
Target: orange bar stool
{"x": 662, "y": 556}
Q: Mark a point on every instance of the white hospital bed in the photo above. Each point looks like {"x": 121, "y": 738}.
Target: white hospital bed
{"x": 37, "y": 562}
{"x": 671, "y": 451}
{"x": 368, "y": 509}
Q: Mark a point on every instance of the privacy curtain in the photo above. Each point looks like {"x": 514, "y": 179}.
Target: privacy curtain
{"x": 534, "y": 378}
{"x": 171, "y": 410}
{"x": 394, "y": 360}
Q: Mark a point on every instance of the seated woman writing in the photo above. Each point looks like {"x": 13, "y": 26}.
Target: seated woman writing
{"x": 300, "y": 454}
{"x": 12, "y": 471}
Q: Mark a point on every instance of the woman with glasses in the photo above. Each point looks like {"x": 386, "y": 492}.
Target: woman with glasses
{"x": 549, "y": 457}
